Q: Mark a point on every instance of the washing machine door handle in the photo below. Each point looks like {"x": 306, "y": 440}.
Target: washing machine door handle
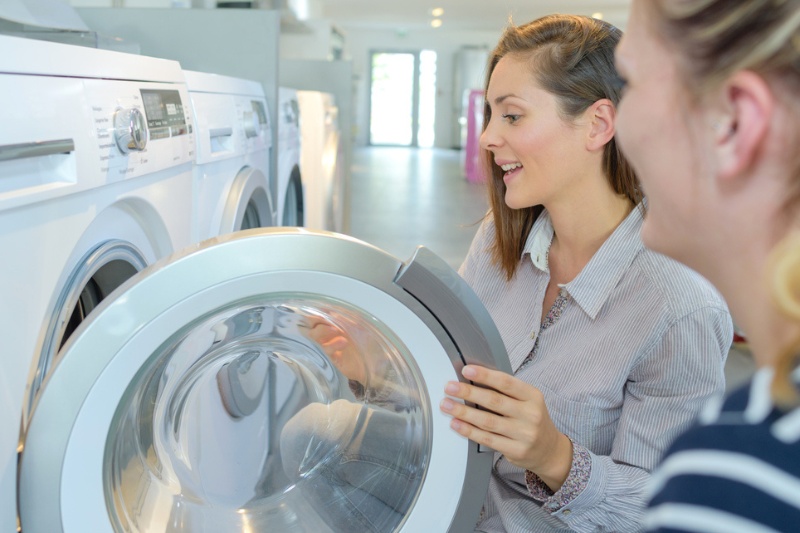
{"x": 441, "y": 290}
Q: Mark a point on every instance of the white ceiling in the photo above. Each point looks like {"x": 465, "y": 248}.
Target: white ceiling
{"x": 490, "y": 15}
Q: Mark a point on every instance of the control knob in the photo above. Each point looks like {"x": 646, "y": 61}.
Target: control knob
{"x": 252, "y": 128}
{"x": 130, "y": 130}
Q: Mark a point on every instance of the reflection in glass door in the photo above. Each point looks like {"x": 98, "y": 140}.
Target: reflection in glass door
{"x": 402, "y": 98}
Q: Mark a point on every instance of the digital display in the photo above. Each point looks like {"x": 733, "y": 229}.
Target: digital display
{"x": 164, "y": 112}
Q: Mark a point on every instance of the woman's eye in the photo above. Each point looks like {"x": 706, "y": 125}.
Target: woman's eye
{"x": 510, "y": 118}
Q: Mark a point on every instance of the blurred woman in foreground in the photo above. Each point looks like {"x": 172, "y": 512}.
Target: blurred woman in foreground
{"x": 710, "y": 121}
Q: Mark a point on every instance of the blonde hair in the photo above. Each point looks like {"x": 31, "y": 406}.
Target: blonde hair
{"x": 785, "y": 263}
{"x": 719, "y": 37}
{"x": 716, "y": 38}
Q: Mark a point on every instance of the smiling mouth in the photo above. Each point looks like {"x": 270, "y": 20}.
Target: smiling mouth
{"x": 510, "y": 167}
{"x": 510, "y": 170}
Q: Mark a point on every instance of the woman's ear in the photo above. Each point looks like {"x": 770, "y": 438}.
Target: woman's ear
{"x": 602, "y": 116}
{"x": 739, "y": 135}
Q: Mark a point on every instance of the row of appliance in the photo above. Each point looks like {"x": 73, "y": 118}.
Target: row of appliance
{"x": 162, "y": 371}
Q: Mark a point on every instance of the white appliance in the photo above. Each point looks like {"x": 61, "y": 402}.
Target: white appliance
{"x": 291, "y": 204}
{"x": 231, "y": 183}
{"x": 96, "y": 154}
{"x": 321, "y": 161}
{"x": 205, "y": 396}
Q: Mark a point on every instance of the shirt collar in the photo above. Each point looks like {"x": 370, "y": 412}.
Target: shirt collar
{"x": 593, "y": 286}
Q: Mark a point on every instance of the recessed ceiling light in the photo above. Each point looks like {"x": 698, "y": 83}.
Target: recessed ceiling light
{"x": 437, "y": 11}
{"x": 598, "y": 16}
{"x": 436, "y": 23}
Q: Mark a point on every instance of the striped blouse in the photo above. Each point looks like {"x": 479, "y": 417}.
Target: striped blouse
{"x": 737, "y": 472}
{"x": 636, "y": 352}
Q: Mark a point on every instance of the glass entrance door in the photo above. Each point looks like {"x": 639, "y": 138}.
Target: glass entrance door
{"x": 402, "y": 98}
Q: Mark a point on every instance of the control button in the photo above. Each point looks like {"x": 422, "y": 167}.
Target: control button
{"x": 159, "y": 133}
{"x": 130, "y": 130}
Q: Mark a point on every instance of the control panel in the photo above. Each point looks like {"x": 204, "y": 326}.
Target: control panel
{"x": 230, "y": 126}
{"x": 255, "y": 123}
{"x": 140, "y": 127}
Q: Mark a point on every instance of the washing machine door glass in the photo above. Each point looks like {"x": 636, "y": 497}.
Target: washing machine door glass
{"x": 271, "y": 380}
{"x": 286, "y": 412}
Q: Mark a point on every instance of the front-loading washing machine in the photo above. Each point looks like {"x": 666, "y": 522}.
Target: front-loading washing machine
{"x": 96, "y": 155}
{"x": 321, "y": 159}
{"x": 278, "y": 379}
{"x": 291, "y": 204}
{"x": 234, "y": 138}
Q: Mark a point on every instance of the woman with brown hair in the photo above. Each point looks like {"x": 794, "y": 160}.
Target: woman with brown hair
{"x": 711, "y": 121}
{"x": 615, "y": 348}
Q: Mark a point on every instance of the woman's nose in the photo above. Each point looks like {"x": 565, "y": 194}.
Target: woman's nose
{"x": 488, "y": 139}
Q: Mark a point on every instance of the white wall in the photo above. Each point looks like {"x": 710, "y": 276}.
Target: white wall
{"x": 314, "y": 43}
{"x": 360, "y": 42}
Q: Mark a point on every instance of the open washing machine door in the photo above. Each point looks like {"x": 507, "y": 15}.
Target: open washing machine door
{"x": 274, "y": 380}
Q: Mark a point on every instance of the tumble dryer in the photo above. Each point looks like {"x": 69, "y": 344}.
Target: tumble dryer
{"x": 232, "y": 177}
{"x": 96, "y": 155}
{"x": 291, "y": 204}
{"x": 321, "y": 157}
{"x": 279, "y": 379}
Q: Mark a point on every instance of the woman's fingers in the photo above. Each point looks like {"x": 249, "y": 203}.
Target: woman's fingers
{"x": 491, "y": 439}
{"x": 492, "y": 400}
{"x": 505, "y": 405}
{"x": 479, "y": 418}
{"x": 500, "y": 381}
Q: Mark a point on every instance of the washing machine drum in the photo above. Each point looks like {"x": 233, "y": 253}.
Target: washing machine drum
{"x": 274, "y": 380}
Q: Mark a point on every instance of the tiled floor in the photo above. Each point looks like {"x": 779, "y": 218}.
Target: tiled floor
{"x": 402, "y": 198}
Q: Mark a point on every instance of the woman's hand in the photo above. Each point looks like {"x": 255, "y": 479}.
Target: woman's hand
{"x": 513, "y": 420}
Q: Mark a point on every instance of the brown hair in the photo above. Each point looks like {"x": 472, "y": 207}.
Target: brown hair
{"x": 571, "y": 57}
{"x": 716, "y": 38}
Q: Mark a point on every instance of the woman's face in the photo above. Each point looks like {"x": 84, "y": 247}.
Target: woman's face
{"x": 542, "y": 155}
{"x": 663, "y": 137}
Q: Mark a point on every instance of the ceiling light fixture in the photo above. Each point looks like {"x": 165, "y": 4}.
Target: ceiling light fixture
{"x": 598, "y": 16}
{"x": 437, "y": 12}
{"x": 436, "y": 23}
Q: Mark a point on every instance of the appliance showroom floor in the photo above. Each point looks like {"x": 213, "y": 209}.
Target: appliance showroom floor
{"x": 405, "y": 197}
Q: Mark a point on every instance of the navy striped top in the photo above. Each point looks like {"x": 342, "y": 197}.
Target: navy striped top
{"x": 738, "y": 471}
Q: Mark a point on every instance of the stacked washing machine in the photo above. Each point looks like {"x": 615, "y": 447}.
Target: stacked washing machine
{"x": 96, "y": 184}
{"x": 292, "y": 206}
{"x": 322, "y": 161}
{"x": 232, "y": 177}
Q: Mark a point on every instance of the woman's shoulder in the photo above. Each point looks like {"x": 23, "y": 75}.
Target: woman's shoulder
{"x": 742, "y": 468}
{"x": 478, "y": 263}
{"x": 746, "y": 422}
{"x": 734, "y": 474}
{"x": 683, "y": 289}
{"x": 486, "y": 228}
